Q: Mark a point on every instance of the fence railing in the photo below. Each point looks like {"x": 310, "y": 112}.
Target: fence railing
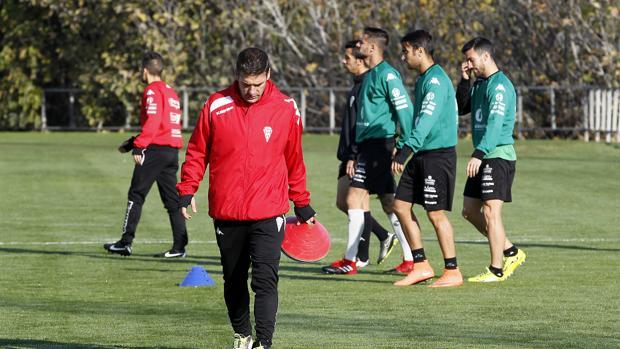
{"x": 542, "y": 111}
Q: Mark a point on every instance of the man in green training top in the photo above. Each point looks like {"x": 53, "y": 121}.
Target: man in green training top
{"x": 491, "y": 169}
{"x": 428, "y": 178}
{"x": 382, "y": 103}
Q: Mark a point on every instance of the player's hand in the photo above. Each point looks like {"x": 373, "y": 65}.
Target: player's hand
{"x": 305, "y": 214}
{"x": 137, "y": 159}
{"x": 397, "y": 168}
{"x": 186, "y": 215}
{"x": 465, "y": 70}
{"x": 351, "y": 168}
{"x": 126, "y": 146}
{"x": 309, "y": 221}
{"x": 473, "y": 166}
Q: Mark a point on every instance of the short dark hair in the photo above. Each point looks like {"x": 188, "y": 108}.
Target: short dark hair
{"x": 419, "y": 39}
{"x": 153, "y": 62}
{"x": 353, "y": 45}
{"x": 252, "y": 61}
{"x": 378, "y": 34}
{"x": 479, "y": 44}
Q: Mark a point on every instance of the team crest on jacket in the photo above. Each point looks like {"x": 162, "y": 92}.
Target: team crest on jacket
{"x": 267, "y": 131}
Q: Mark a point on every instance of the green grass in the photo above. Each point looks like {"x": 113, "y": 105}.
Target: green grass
{"x": 71, "y": 187}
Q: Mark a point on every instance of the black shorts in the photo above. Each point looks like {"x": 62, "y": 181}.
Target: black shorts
{"x": 428, "y": 179}
{"x": 493, "y": 181}
{"x": 373, "y": 170}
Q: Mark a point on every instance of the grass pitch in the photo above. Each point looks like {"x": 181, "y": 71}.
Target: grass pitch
{"x": 63, "y": 194}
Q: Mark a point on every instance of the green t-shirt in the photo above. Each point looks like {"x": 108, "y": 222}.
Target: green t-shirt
{"x": 435, "y": 114}
{"x": 493, "y": 109}
{"x": 382, "y": 102}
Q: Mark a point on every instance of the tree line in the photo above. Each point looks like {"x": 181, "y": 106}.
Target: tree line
{"x": 96, "y": 45}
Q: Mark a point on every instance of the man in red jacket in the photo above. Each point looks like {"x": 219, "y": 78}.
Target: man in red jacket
{"x": 156, "y": 154}
{"x": 250, "y": 137}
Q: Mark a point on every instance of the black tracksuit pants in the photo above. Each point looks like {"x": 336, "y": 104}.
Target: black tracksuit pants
{"x": 160, "y": 165}
{"x": 255, "y": 243}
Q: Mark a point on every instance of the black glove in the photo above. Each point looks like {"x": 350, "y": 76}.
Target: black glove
{"x": 403, "y": 154}
{"x": 304, "y": 213}
{"x": 137, "y": 151}
{"x": 185, "y": 200}
{"x": 127, "y": 145}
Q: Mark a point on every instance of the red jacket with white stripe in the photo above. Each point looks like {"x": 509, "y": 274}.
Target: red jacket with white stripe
{"x": 253, "y": 152}
{"x": 160, "y": 117}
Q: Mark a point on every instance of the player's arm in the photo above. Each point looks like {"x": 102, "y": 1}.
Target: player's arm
{"x": 352, "y": 150}
{"x": 196, "y": 161}
{"x": 153, "y": 105}
{"x": 498, "y": 101}
{"x": 293, "y": 155}
{"x": 400, "y": 101}
{"x": 463, "y": 91}
{"x": 433, "y": 103}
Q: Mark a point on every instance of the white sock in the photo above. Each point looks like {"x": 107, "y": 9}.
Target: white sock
{"x": 401, "y": 237}
{"x": 356, "y": 225}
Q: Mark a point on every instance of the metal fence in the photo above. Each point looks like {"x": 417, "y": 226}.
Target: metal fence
{"x": 542, "y": 111}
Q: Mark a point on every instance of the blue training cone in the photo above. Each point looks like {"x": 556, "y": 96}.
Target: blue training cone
{"x": 198, "y": 276}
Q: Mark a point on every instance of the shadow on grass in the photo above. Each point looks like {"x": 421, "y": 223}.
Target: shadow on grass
{"x": 566, "y": 247}
{"x": 212, "y": 260}
{"x": 40, "y": 344}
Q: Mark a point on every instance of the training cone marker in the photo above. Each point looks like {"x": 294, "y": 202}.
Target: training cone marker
{"x": 198, "y": 276}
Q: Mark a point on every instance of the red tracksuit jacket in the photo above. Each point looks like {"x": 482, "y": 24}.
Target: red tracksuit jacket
{"x": 253, "y": 152}
{"x": 160, "y": 117}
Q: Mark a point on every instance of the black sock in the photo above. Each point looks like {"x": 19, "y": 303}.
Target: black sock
{"x": 377, "y": 229}
{"x": 418, "y": 255}
{"x": 364, "y": 243}
{"x": 450, "y": 263}
{"x": 497, "y": 271}
{"x": 509, "y": 252}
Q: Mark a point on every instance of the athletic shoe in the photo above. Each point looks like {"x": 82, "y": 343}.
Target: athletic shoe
{"x": 337, "y": 264}
{"x": 361, "y": 264}
{"x": 511, "y": 263}
{"x": 171, "y": 254}
{"x": 403, "y": 268}
{"x": 259, "y": 345}
{"x": 450, "y": 278}
{"x": 487, "y": 276}
{"x": 422, "y": 271}
{"x": 119, "y": 248}
{"x": 242, "y": 342}
{"x": 346, "y": 268}
{"x": 386, "y": 247}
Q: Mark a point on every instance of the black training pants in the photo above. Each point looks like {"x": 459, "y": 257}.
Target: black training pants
{"x": 257, "y": 243}
{"x": 160, "y": 165}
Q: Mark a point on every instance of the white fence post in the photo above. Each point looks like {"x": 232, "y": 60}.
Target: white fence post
{"x": 597, "y": 116}
{"x": 332, "y": 111}
{"x": 43, "y": 112}
{"x": 185, "y": 108}
{"x": 552, "y": 102}
{"x": 608, "y": 115}
{"x": 520, "y": 113}
{"x": 303, "y": 107}
{"x": 616, "y": 114}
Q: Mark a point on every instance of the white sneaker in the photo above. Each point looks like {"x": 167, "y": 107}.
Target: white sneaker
{"x": 241, "y": 342}
{"x": 361, "y": 264}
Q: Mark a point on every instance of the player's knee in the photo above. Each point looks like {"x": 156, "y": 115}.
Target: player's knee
{"x": 467, "y": 213}
{"x": 341, "y": 204}
{"x": 436, "y": 217}
{"x": 401, "y": 208}
{"x": 491, "y": 212}
{"x": 135, "y": 198}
